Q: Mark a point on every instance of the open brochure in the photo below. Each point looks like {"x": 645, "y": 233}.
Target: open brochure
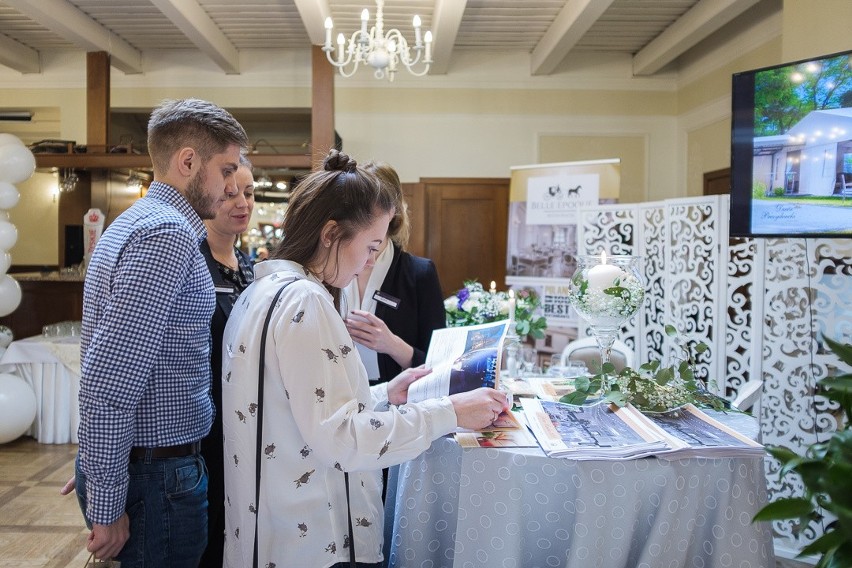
{"x": 506, "y": 432}
{"x": 461, "y": 359}
{"x": 602, "y": 431}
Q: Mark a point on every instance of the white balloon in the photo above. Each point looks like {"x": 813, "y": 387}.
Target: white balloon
{"x": 6, "y": 138}
{"x": 17, "y": 407}
{"x": 5, "y": 263}
{"x": 10, "y": 295}
{"x": 17, "y": 163}
{"x": 8, "y": 235}
{"x": 9, "y": 195}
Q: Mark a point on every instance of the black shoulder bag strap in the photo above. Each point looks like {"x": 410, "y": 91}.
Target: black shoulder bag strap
{"x": 259, "y": 454}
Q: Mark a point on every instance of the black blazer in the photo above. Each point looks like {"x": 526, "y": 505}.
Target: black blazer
{"x": 211, "y": 446}
{"x": 413, "y": 281}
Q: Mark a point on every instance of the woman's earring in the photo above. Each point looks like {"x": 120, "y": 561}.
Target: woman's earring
{"x": 327, "y": 244}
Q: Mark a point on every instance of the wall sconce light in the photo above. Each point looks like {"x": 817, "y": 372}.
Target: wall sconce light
{"x": 134, "y": 182}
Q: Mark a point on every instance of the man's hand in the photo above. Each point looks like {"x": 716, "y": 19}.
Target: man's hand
{"x": 106, "y": 541}
{"x": 69, "y": 486}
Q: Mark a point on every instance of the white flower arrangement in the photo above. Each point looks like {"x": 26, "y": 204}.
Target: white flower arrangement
{"x": 473, "y": 305}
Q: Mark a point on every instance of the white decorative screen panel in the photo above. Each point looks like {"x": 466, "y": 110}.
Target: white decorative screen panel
{"x": 761, "y": 305}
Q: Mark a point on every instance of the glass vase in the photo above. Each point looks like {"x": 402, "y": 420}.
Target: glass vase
{"x": 512, "y": 356}
{"x": 606, "y": 291}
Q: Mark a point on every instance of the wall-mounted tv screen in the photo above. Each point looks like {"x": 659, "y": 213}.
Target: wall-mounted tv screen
{"x": 791, "y": 149}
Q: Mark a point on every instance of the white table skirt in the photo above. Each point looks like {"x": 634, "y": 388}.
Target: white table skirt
{"x": 50, "y": 368}
{"x": 516, "y": 508}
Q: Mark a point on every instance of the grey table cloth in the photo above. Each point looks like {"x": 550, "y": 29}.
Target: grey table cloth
{"x": 513, "y": 508}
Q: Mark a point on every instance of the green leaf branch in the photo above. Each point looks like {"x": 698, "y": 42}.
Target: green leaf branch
{"x": 652, "y": 387}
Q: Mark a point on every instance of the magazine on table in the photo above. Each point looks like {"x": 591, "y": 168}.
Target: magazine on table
{"x": 603, "y": 431}
{"x": 552, "y": 388}
{"x": 690, "y": 432}
{"x": 590, "y": 432}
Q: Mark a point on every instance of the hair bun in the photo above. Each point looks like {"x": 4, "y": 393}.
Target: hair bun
{"x": 338, "y": 161}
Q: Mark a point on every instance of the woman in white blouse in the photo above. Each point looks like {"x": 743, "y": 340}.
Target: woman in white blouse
{"x": 320, "y": 417}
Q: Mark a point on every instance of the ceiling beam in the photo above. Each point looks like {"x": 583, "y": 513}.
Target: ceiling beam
{"x": 74, "y": 25}
{"x": 314, "y": 13}
{"x": 202, "y": 31}
{"x": 446, "y": 19}
{"x": 699, "y": 22}
{"x": 569, "y": 27}
{"x": 17, "y": 56}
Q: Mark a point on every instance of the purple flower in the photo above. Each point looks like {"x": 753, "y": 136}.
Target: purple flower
{"x": 463, "y": 295}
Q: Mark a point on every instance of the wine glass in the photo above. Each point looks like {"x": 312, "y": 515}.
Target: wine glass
{"x": 529, "y": 360}
{"x": 606, "y": 291}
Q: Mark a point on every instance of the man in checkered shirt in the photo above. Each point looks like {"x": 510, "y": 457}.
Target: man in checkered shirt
{"x": 145, "y": 348}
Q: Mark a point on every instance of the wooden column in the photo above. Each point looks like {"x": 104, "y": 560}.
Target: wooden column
{"x": 97, "y": 100}
{"x": 73, "y": 205}
{"x": 322, "y": 106}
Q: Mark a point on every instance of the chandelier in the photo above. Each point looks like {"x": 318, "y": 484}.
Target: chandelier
{"x": 68, "y": 181}
{"x": 382, "y": 50}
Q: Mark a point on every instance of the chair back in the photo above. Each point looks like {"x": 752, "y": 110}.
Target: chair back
{"x": 586, "y": 350}
{"x": 748, "y": 397}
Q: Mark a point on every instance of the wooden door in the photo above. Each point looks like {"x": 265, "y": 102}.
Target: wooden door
{"x": 717, "y": 182}
{"x": 466, "y": 229}
{"x": 415, "y": 196}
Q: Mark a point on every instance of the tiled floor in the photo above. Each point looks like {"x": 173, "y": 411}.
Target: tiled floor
{"x": 39, "y": 528}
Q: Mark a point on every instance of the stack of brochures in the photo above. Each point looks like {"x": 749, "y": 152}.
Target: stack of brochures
{"x": 606, "y": 432}
{"x": 470, "y": 357}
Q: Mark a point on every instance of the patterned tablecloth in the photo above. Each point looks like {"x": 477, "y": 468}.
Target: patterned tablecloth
{"x": 516, "y": 508}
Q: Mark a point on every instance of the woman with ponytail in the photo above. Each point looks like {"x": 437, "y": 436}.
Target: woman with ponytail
{"x": 306, "y": 436}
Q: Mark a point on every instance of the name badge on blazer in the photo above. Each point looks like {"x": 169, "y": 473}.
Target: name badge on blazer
{"x": 224, "y": 289}
{"x": 386, "y": 299}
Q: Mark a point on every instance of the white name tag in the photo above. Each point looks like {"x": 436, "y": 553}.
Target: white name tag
{"x": 386, "y": 299}
{"x": 224, "y": 289}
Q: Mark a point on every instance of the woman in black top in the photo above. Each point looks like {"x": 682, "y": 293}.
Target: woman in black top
{"x": 231, "y": 270}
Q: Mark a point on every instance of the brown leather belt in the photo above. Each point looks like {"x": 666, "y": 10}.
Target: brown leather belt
{"x": 139, "y": 453}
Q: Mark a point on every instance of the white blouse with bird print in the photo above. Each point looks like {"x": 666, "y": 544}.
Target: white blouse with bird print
{"x": 321, "y": 418}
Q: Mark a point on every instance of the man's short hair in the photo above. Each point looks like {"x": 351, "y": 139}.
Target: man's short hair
{"x": 201, "y": 125}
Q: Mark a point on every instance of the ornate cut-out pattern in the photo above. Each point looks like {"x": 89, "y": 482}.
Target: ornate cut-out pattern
{"x": 653, "y": 247}
{"x": 738, "y": 314}
{"x": 611, "y": 228}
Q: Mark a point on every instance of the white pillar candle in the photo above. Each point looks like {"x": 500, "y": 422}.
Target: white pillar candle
{"x": 428, "y": 58}
{"x": 416, "y": 22}
{"x": 328, "y": 27}
{"x": 603, "y": 275}
{"x": 511, "y": 311}
{"x": 493, "y": 288}
{"x": 340, "y": 48}
{"x": 365, "y": 16}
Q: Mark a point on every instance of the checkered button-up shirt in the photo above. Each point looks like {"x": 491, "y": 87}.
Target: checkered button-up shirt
{"x": 145, "y": 344}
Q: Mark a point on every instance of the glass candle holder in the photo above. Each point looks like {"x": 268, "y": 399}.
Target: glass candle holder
{"x": 606, "y": 291}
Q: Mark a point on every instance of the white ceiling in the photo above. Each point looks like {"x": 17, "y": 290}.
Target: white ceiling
{"x": 654, "y": 32}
